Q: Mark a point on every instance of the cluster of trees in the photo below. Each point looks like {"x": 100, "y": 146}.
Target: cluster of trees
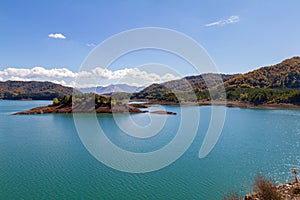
{"x": 263, "y": 95}
{"x": 254, "y": 96}
{"x": 77, "y": 99}
{"x": 32, "y": 96}
{"x": 283, "y": 75}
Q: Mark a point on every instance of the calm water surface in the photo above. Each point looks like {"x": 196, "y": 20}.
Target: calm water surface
{"x": 42, "y": 157}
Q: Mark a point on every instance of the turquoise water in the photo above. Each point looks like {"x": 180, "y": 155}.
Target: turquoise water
{"x": 42, "y": 157}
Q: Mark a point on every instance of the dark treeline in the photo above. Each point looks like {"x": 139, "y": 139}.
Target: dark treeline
{"x": 254, "y": 96}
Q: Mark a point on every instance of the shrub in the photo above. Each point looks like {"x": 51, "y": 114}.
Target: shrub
{"x": 266, "y": 189}
{"x": 56, "y": 101}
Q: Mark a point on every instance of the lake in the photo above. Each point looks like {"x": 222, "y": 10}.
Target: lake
{"x": 42, "y": 156}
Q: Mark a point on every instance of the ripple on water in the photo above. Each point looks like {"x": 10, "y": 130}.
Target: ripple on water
{"x": 42, "y": 157}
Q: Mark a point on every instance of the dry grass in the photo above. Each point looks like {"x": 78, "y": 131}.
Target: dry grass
{"x": 266, "y": 189}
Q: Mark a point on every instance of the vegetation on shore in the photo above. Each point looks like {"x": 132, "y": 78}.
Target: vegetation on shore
{"x": 69, "y": 100}
{"x": 265, "y": 189}
{"x": 83, "y": 103}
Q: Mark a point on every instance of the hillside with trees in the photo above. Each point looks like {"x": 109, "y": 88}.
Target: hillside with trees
{"x": 283, "y": 75}
{"x": 14, "y": 90}
{"x": 267, "y": 85}
{"x": 185, "y": 88}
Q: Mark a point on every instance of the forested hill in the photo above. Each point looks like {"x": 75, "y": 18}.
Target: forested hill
{"x": 196, "y": 83}
{"x": 272, "y": 84}
{"x": 283, "y": 75}
{"x": 14, "y": 90}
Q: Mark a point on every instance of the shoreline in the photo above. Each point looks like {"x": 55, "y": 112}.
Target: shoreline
{"x": 134, "y": 108}
{"x": 52, "y": 109}
{"x": 229, "y": 104}
{"x": 287, "y": 191}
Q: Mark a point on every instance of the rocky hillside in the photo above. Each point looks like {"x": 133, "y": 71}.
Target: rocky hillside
{"x": 13, "y": 90}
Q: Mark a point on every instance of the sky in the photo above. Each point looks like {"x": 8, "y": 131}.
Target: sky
{"x": 49, "y": 40}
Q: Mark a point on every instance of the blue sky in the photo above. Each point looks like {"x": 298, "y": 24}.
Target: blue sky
{"x": 238, "y": 35}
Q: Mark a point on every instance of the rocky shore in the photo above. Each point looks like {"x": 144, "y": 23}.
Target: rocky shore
{"x": 88, "y": 109}
{"x": 289, "y": 191}
{"x": 233, "y": 104}
{"x": 265, "y": 189}
{"x": 70, "y": 109}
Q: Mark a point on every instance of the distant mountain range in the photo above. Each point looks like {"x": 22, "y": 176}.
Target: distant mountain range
{"x": 108, "y": 90}
{"x": 14, "y": 90}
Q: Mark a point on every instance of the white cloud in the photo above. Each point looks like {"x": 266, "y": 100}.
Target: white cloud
{"x": 38, "y": 72}
{"x": 232, "y": 19}
{"x": 95, "y": 77}
{"x": 15, "y": 78}
{"x": 57, "y": 36}
{"x": 60, "y": 82}
{"x": 130, "y": 76}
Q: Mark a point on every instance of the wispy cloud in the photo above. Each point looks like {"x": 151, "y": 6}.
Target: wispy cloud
{"x": 57, "y": 36}
{"x": 232, "y": 19}
{"x": 90, "y": 44}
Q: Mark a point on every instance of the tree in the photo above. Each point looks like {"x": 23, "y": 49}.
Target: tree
{"x": 56, "y": 101}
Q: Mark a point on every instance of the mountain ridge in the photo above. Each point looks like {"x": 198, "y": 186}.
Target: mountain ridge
{"x": 108, "y": 90}
{"x": 285, "y": 74}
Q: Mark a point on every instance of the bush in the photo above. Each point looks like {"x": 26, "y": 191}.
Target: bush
{"x": 56, "y": 101}
{"x": 266, "y": 189}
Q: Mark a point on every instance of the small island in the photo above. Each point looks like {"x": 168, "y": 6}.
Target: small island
{"x": 89, "y": 103}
